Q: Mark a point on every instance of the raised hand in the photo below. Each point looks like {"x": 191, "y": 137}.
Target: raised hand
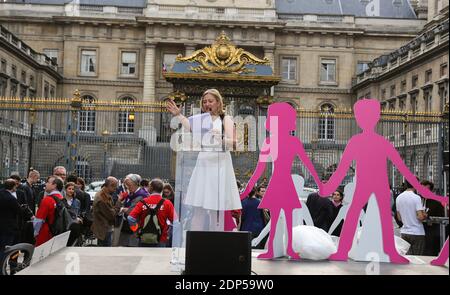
{"x": 172, "y": 107}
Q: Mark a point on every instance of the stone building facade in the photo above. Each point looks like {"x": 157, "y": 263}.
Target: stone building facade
{"x": 119, "y": 50}
{"x": 23, "y": 73}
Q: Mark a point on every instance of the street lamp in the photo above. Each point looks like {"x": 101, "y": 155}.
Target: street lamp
{"x": 105, "y": 134}
{"x": 30, "y": 144}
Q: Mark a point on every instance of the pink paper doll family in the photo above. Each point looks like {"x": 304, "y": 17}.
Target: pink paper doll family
{"x": 371, "y": 153}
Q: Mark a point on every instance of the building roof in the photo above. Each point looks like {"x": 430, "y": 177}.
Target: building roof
{"x": 361, "y": 8}
{"x": 118, "y": 3}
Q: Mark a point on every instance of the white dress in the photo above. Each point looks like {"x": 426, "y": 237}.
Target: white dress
{"x": 212, "y": 185}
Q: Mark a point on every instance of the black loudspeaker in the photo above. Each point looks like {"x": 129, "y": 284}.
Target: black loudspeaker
{"x": 218, "y": 253}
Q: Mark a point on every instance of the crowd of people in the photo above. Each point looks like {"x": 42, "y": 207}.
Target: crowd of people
{"x": 29, "y": 209}
{"x": 139, "y": 212}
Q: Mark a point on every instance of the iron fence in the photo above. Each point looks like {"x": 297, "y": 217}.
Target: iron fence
{"x": 97, "y": 139}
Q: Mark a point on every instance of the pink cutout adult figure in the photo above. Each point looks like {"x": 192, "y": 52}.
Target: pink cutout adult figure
{"x": 282, "y": 148}
{"x": 443, "y": 256}
{"x": 371, "y": 153}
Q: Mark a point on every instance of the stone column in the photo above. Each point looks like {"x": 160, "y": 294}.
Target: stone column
{"x": 149, "y": 73}
{"x": 148, "y": 128}
{"x": 269, "y": 52}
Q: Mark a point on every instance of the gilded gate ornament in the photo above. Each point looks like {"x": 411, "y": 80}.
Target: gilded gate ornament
{"x": 223, "y": 57}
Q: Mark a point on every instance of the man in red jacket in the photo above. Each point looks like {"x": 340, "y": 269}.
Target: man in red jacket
{"x": 46, "y": 212}
{"x": 165, "y": 213}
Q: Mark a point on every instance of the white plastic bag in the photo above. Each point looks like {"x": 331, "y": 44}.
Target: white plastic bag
{"x": 312, "y": 243}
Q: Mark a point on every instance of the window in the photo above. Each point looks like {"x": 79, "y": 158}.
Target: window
{"x": 168, "y": 61}
{"x": 126, "y": 116}
{"x": 413, "y": 103}
{"x": 402, "y": 104}
{"x": 328, "y": 70}
{"x": 403, "y": 86}
{"x": 23, "y": 91}
{"x": 428, "y": 76}
{"x": 383, "y": 93}
{"x": 128, "y": 63}
{"x": 289, "y": 68}
{"x": 443, "y": 95}
{"x": 52, "y": 91}
{"x": 31, "y": 81}
{"x": 427, "y": 96}
{"x": 53, "y": 54}
{"x": 165, "y": 131}
{"x": 443, "y": 71}
{"x": 14, "y": 71}
{"x": 88, "y": 62}
{"x": 46, "y": 89}
{"x": 3, "y": 66}
{"x": 23, "y": 77}
{"x": 392, "y": 105}
{"x": 87, "y": 117}
{"x": 362, "y": 67}
{"x": 3, "y": 84}
{"x": 428, "y": 165}
{"x": 83, "y": 169}
{"x": 13, "y": 90}
{"x": 392, "y": 94}
{"x": 414, "y": 166}
{"x": 326, "y": 122}
{"x": 414, "y": 81}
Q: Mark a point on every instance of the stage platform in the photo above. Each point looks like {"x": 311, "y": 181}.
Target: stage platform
{"x": 156, "y": 261}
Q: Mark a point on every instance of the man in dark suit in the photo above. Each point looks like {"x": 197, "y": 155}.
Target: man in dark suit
{"x": 28, "y": 188}
{"x": 321, "y": 210}
{"x": 9, "y": 215}
{"x": 25, "y": 201}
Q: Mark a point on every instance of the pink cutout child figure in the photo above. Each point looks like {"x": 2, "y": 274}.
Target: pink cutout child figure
{"x": 370, "y": 151}
{"x": 282, "y": 148}
{"x": 443, "y": 256}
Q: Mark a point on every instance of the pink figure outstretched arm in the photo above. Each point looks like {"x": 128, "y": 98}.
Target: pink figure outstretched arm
{"x": 259, "y": 170}
{"x": 309, "y": 165}
{"x": 337, "y": 177}
{"x": 394, "y": 156}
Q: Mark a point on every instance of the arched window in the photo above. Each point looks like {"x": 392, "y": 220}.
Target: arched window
{"x": 414, "y": 166}
{"x": 326, "y": 122}
{"x": 126, "y": 116}
{"x": 83, "y": 169}
{"x": 428, "y": 167}
{"x": 87, "y": 116}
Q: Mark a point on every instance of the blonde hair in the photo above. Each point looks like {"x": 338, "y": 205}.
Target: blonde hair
{"x": 219, "y": 99}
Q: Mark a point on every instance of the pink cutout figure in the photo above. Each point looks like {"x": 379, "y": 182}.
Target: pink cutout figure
{"x": 370, "y": 151}
{"x": 443, "y": 256}
{"x": 282, "y": 148}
